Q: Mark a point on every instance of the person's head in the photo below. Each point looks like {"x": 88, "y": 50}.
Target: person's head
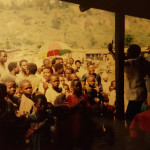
{"x": 71, "y": 61}
{"x": 133, "y": 51}
{"x": 62, "y": 80}
{"x": 47, "y": 73}
{"x": 76, "y": 86}
{"x": 66, "y": 87}
{"x": 72, "y": 76}
{"x": 26, "y": 88}
{"x": 47, "y": 63}
{"x": 54, "y": 80}
{"x": 11, "y": 86}
{"x": 55, "y": 61}
{"x": 60, "y": 60}
{"x": 68, "y": 72}
{"x": 91, "y": 80}
{"x": 3, "y": 56}
{"x": 68, "y": 65}
{"x": 3, "y": 91}
{"x": 113, "y": 84}
{"x": 13, "y": 67}
{"x": 18, "y": 93}
{"x": 91, "y": 69}
{"x": 105, "y": 77}
{"x": 23, "y": 64}
{"x": 89, "y": 63}
{"x": 59, "y": 69}
{"x": 40, "y": 103}
{"x": 32, "y": 67}
{"x": 78, "y": 63}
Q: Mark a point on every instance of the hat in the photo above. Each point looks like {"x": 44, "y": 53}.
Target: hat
{"x": 148, "y": 48}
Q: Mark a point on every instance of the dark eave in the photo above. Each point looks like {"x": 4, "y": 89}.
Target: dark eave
{"x": 137, "y": 8}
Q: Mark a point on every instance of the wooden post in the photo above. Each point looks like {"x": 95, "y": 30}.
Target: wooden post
{"x": 119, "y": 64}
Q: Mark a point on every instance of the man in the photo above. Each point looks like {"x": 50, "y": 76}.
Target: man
{"x": 23, "y": 74}
{"x": 3, "y": 59}
{"x": 13, "y": 71}
{"x": 136, "y": 68}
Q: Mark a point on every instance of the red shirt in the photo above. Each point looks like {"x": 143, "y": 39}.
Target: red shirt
{"x": 73, "y": 100}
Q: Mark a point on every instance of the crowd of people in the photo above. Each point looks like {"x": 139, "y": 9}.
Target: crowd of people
{"x": 52, "y": 106}
{"x": 62, "y": 94}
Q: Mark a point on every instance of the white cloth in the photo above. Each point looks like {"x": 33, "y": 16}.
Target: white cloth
{"x": 135, "y": 71}
{"x": 112, "y": 97}
{"x": 52, "y": 95}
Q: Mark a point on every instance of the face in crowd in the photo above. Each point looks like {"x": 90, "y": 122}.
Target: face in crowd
{"x": 91, "y": 81}
{"x": 55, "y": 81}
{"x": 77, "y": 87}
{"x": 23, "y": 66}
{"x": 46, "y": 74}
{"x": 91, "y": 69}
{"x": 3, "y": 57}
{"x": 26, "y": 88}
{"x": 78, "y": 64}
{"x": 11, "y": 87}
{"x": 67, "y": 73}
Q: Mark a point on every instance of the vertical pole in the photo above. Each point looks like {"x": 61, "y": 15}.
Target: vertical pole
{"x": 119, "y": 64}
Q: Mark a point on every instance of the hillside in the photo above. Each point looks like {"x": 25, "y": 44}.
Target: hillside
{"x": 27, "y": 25}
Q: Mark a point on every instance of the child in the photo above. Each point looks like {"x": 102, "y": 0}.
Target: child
{"x": 42, "y": 120}
{"x": 66, "y": 89}
{"x": 46, "y": 80}
{"x": 105, "y": 82}
{"x": 112, "y": 94}
{"x": 54, "y": 93}
{"x": 62, "y": 80}
{"x": 91, "y": 90}
{"x": 67, "y": 73}
{"x": 26, "y": 105}
{"x": 23, "y": 70}
{"x": 83, "y": 83}
{"x": 11, "y": 89}
{"x": 91, "y": 71}
{"x": 35, "y": 81}
{"x": 77, "y": 102}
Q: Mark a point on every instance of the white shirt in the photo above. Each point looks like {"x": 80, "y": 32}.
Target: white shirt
{"x": 52, "y": 95}
{"x": 135, "y": 71}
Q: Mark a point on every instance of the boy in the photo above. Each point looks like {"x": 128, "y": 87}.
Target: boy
{"x": 105, "y": 82}
{"x": 54, "y": 93}
{"x": 59, "y": 69}
{"x": 23, "y": 69}
{"x": 41, "y": 121}
{"x": 26, "y": 105}
{"x": 91, "y": 71}
{"x": 46, "y": 80}
{"x": 35, "y": 81}
{"x": 11, "y": 89}
{"x": 3, "y": 59}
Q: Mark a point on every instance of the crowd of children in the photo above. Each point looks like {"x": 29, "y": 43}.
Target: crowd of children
{"x": 62, "y": 92}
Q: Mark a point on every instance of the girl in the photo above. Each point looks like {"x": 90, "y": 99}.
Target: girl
{"x": 41, "y": 120}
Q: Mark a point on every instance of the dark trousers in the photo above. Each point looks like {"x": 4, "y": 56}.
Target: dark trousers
{"x": 134, "y": 107}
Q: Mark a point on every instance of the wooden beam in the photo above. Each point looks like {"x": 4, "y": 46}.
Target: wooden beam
{"x": 135, "y": 8}
{"x": 119, "y": 63}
